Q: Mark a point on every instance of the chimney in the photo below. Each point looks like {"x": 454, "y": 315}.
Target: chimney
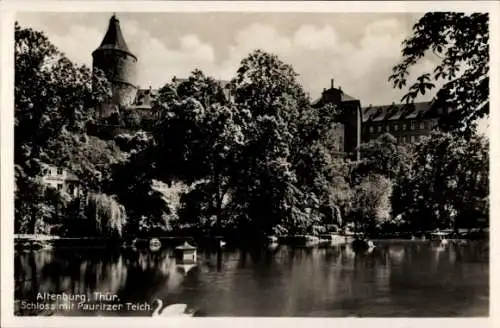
{"x": 331, "y": 83}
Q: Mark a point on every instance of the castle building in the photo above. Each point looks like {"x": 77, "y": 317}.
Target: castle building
{"x": 406, "y": 122}
{"x": 356, "y": 124}
{"x": 348, "y": 130}
{"x": 118, "y": 63}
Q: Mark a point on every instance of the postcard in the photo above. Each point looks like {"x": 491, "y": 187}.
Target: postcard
{"x": 281, "y": 163}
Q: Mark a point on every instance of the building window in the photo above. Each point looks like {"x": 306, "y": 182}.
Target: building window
{"x": 379, "y": 128}
{"x": 412, "y": 139}
{"x": 404, "y": 127}
{"x": 412, "y": 125}
{"x": 387, "y": 128}
{"x": 396, "y": 127}
{"x": 422, "y": 126}
{"x": 371, "y": 129}
{"x": 403, "y": 139}
{"x": 59, "y": 171}
{"x": 59, "y": 186}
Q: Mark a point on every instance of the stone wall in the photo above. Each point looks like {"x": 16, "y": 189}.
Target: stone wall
{"x": 120, "y": 68}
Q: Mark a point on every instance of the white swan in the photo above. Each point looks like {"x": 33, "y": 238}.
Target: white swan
{"x": 174, "y": 310}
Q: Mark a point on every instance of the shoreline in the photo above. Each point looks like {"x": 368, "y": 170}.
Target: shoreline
{"x": 40, "y": 242}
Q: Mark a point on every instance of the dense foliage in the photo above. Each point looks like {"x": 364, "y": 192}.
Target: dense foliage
{"x": 252, "y": 162}
{"x": 448, "y": 184}
{"x": 54, "y": 100}
{"x": 460, "y": 42}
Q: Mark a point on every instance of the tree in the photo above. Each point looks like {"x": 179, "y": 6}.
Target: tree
{"x": 88, "y": 157}
{"x": 383, "y": 156}
{"x": 447, "y": 185}
{"x": 195, "y": 141}
{"x": 270, "y": 192}
{"x": 51, "y": 94}
{"x": 459, "y": 42}
{"x": 133, "y": 143}
{"x": 53, "y": 98}
{"x": 371, "y": 202}
{"x": 132, "y": 119}
{"x": 98, "y": 215}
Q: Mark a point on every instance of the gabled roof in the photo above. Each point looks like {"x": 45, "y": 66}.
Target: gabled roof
{"x": 344, "y": 97}
{"x": 113, "y": 39}
{"x": 145, "y": 97}
{"x": 397, "y": 111}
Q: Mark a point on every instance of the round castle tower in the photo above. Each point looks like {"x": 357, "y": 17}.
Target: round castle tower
{"x": 118, "y": 63}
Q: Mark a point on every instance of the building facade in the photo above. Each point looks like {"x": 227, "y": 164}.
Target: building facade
{"x": 118, "y": 63}
{"x": 348, "y": 128}
{"x": 60, "y": 179}
{"x": 408, "y": 123}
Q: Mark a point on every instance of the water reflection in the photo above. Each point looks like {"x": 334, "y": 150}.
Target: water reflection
{"x": 395, "y": 279}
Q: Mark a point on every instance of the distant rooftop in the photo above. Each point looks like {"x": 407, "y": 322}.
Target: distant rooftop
{"x": 398, "y": 111}
{"x": 113, "y": 39}
{"x": 144, "y": 97}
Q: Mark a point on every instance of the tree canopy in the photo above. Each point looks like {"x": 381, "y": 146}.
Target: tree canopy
{"x": 459, "y": 43}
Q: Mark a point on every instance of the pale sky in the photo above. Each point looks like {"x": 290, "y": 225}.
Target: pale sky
{"x": 357, "y": 50}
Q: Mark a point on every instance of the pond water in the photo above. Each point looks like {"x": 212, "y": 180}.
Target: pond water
{"x": 397, "y": 279}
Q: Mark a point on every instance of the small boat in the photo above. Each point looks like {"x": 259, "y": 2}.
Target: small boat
{"x": 185, "y": 253}
{"x": 441, "y": 237}
{"x": 362, "y": 245}
{"x": 154, "y": 244}
{"x": 272, "y": 239}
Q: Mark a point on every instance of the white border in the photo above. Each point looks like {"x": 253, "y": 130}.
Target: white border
{"x": 7, "y": 172}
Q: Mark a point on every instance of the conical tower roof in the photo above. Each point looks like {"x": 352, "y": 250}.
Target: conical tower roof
{"x": 114, "y": 37}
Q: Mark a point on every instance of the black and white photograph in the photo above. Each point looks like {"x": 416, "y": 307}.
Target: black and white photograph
{"x": 324, "y": 164}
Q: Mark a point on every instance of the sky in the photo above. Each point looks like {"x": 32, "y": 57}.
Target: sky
{"x": 357, "y": 50}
